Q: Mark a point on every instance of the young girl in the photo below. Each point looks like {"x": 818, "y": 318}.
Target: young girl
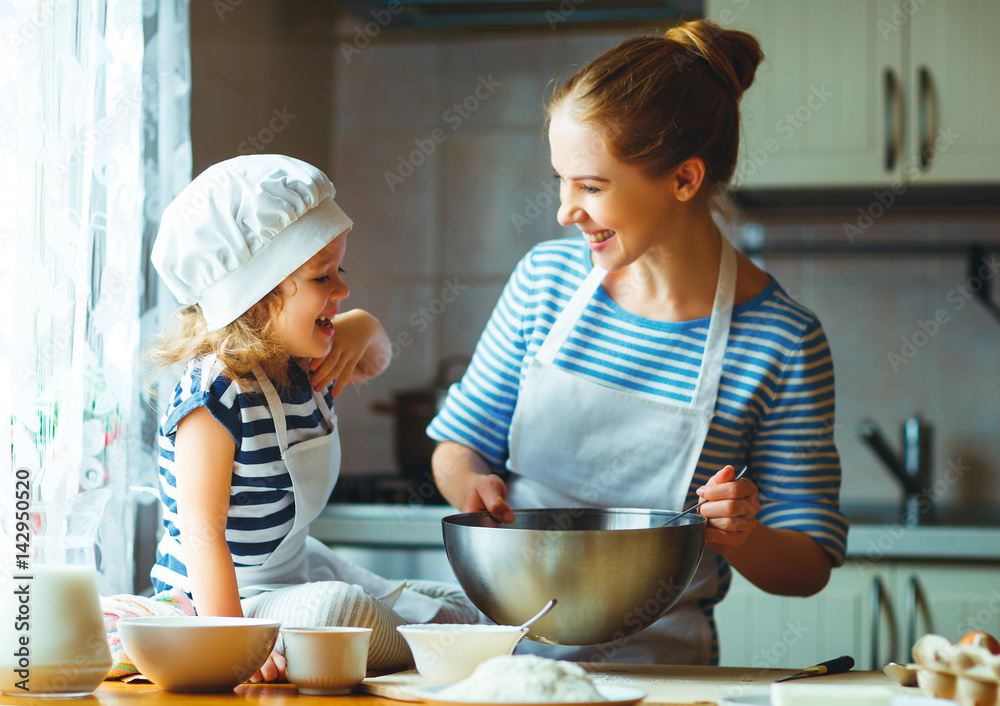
{"x": 649, "y": 357}
{"x": 249, "y": 449}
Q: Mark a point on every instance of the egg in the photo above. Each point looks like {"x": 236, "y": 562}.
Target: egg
{"x": 981, "y": 639}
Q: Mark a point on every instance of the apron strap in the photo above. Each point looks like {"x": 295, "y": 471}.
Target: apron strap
{"x": 567, "y": 319}
{"x": 707, "y": 388}
{"x": 277, "y": 409}
{"x": 323, "y": 409}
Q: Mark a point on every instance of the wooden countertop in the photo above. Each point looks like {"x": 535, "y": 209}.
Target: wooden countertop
{"x": 664, "y": 685}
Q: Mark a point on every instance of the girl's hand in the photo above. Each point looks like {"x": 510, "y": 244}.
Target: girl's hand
{"x": 490, "y": 495}
{"x": 731, "y": 511}
{"x": 359, "y": 351}
{"x": 272, "y": 670}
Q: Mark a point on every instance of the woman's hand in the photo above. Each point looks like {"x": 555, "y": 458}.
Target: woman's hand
{"x": 468, "y": 483}
{"x": 731, "y": 510}
{"x": 490, "y": 495}
{"x": 272, "y": 670}
{"x": 359, "y": 351}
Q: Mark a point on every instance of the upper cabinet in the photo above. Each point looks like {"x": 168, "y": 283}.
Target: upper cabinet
{"x": 869, "y": 93}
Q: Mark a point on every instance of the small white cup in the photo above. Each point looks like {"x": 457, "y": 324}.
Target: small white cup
{"x": 327, "y": 660}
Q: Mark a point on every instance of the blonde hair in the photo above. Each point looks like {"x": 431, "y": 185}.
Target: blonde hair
{"x": 658, "y": 101}
{"x": 250, "y": 341}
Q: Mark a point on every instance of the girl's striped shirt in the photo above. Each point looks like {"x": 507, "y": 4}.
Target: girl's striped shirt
{"x": 261, "y": 504}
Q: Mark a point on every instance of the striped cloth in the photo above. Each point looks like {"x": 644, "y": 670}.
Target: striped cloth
{"x": 775, "y": 408}
{"x": 261, "y": 504}
{"x": 168, "y": 604}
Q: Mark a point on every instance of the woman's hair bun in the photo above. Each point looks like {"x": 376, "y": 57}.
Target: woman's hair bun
{"x": 732, "y": 55}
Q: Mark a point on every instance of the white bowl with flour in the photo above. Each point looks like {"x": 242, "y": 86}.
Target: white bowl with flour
{"x": 449, "y": 653}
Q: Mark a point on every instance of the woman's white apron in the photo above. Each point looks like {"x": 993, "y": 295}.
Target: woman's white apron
{"x": 576, "y": 443}
{"x": 314, "y": 466}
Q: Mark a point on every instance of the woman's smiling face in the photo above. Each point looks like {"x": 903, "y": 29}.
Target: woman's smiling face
{"x": 312, "y": 298}
{"x": 620, "y": 210}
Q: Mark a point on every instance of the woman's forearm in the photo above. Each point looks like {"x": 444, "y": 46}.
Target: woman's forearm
{"x": 457, "y": 470}
{"x": 781, "y": 561}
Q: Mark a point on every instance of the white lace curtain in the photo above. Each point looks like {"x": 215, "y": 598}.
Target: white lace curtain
{"x": 94, "y": 140}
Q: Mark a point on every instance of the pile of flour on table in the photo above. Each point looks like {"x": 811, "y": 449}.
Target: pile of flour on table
{"x": 524, "y": 679}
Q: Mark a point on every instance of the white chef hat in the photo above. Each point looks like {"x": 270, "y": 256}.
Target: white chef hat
{"x": 242, "y": 226}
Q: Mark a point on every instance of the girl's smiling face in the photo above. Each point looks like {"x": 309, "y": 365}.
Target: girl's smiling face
{"x": 312, "y": 297}
{"x": 621, "y": 211}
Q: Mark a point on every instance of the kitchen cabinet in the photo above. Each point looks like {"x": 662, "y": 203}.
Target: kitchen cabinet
{"x": 869, "y": 93}
{"x": 873, "y": 611}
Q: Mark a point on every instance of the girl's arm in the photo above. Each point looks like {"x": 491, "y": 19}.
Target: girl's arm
{"x": 360, "y": 350}
{"x": 203, "y": 467}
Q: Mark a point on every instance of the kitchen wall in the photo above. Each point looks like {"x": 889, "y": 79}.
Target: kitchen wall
{"x": 436, "y": 148}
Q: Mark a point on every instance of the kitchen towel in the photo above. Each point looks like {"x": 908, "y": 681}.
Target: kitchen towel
{"x": 168, "y": 604}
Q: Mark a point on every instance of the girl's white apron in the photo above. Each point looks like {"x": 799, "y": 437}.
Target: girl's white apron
{"x": 314, "y": 466}
{"x": 576, "y": 443}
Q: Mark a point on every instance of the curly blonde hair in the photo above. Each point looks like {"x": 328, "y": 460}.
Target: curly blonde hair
{"x": 251, "y": 340}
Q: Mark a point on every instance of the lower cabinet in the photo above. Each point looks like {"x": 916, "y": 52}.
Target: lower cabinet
{"x": 873, "y": 611}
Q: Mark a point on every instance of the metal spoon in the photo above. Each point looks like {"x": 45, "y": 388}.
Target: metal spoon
{"x": 905, "y": 675}
{"x": 694, "y": 507}
{"x": 545, "y": 609}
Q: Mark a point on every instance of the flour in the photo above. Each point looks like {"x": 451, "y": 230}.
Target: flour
{"x": 524, "y": 679}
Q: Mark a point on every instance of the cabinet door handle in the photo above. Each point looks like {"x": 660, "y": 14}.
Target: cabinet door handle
{"x": 892, "y": 117}
{"x": 926, "y": 109}
{"x": 916, "y": 606}
{"x": 880, "y": 601}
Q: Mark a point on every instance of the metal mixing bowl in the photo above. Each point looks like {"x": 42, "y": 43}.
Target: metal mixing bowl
{"x": 614, "y": 571}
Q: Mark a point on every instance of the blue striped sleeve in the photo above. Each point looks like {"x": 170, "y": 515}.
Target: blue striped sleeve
{"x": 794, "y": 457}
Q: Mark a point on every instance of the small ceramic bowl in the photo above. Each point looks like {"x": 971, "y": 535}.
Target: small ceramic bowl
{"x": 448, "y": 653}
{"x": 326, "y": 661}
{"x": 200, "y": 653}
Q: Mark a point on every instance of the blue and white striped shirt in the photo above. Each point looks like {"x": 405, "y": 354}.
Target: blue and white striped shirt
{"x": 261, "y": 503}
{"x": 775, "y": 405}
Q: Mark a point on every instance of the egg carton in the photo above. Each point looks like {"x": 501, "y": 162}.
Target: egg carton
{"x": 967, "y": 673}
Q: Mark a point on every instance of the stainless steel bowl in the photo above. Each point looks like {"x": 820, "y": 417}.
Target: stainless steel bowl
{"x": 614, "y": 572}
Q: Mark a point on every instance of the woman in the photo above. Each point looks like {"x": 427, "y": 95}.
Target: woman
{"x": 638, "y": 365}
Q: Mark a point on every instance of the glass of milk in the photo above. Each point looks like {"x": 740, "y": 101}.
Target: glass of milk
{"x": 52, "y": 639}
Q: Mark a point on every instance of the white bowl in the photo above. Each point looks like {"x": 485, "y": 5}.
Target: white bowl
{"x": 326, "y": 660}
{"x": 446, "y": 653}
{"x": 202, "y": 653}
